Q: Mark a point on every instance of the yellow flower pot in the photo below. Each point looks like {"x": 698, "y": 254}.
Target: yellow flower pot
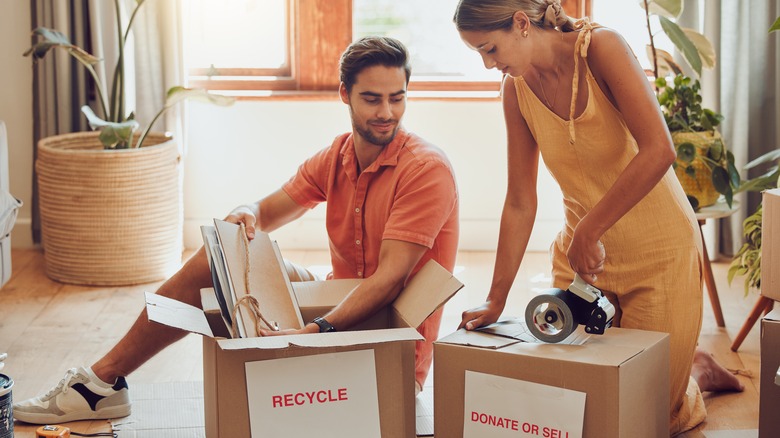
{"x": 698, "y": 186}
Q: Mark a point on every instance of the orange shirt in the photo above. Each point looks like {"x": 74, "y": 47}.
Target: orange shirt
{"x": 409, "y": 194}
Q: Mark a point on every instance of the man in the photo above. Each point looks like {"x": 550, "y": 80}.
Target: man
{"x": 392, "y": 205}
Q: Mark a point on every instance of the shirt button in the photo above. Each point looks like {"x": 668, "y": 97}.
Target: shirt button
{"x": 357, "y": 242}
{"x": 360, "y": 273}
{"x": 357, "y": 209}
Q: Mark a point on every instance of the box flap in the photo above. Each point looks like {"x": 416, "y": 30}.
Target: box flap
{"x": 774, "y": 315}
{"x": 335, "y": 339}
{"x": 613, "y": 348}
{"x": 770, "y": 250}
{"x": 176, "y": 314}
{"x": 268, "y": 280}
{"x": 430, "y": 288}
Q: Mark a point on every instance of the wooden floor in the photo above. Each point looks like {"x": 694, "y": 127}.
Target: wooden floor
{"x": 48, "y": 327}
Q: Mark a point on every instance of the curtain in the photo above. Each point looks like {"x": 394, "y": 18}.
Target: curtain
{"x": 153, "y": 63}
{"x": 744, "y": 86}
{"x": 60, "y": 84}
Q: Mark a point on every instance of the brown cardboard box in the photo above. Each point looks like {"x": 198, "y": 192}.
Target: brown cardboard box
{"x": 623, "y": 373}
{"x": 769, "y": 404}
{"x": 770, "y": 246}
{"x": 236, "y": 404}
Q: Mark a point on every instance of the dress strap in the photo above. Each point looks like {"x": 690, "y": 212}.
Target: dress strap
{"x": 580, "y": 50}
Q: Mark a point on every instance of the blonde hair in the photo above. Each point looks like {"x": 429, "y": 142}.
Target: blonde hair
{"x": 490, "y": 15}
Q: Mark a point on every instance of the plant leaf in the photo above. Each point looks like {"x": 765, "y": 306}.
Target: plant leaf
{"x": 178, "y": 94}
{"x": 765, "y": 158}
{"x": 716, "y": 150}
{"x": 54, "y": 39}
{"x": 666, "y": 62}
{"x": 720, "y": 180}
{"x": 666, "y": 8}
{"x": 704, "y": 47}
{"x": 683, "y": 44}
{"x": 686, "y": 152}
{"x": 112, "y": 135}
{"x": 775, "y": 26}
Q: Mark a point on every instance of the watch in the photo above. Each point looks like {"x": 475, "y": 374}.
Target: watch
{"x": 325, "y": 326}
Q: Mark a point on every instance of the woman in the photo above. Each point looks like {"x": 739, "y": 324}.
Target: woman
{"x": 575, "y": 93}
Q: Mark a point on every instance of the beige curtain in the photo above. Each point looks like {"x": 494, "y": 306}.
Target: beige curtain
{"x": 744, "y": 86}
{"x": 153, "y": 61}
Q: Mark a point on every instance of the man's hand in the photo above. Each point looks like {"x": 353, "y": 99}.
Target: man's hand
{"x": 244, "y": 215}
{"x": 308, "y": 328}
{"x": 483, "y": 315}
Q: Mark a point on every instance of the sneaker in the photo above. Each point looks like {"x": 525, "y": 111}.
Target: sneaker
{"x": 80, "y": 395}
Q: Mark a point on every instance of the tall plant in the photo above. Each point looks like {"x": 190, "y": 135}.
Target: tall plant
{"x": 116, "y": 126}
{"x": 695, "y": 47}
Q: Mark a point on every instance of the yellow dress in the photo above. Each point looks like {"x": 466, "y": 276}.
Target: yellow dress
{"x": 652, "y": 269}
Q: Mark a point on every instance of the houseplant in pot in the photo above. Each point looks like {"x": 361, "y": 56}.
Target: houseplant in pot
{"x": 110, "y": 200}
{"x": 704, "y": 166}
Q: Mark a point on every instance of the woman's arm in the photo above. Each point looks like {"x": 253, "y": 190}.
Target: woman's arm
{"x": 623, "y": 81}
{"x": 519, "y": 213}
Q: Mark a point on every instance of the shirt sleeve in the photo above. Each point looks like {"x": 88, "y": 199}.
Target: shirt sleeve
{"x": 308, "y": 186}
{"x": 423, "y": 203}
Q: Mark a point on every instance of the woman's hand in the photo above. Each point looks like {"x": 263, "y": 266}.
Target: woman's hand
{"x": 483, "y": 315}
{"x": 586, "y": 257}
{"x": 243, "y": 215}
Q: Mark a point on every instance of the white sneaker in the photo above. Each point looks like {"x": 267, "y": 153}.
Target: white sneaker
{"x": 80, "y": 395}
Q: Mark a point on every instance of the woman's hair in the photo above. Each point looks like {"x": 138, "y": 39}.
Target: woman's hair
{"x": 370, "y": 51}
{"x": 490, "y": 15}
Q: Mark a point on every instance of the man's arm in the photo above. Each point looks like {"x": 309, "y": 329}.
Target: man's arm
{"x": 267, "y": 214}
{"x": 396, "y": 261}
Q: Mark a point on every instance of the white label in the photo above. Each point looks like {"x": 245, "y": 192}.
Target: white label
{"x": 496, "y": 407}
{"x": 323, "y": 395}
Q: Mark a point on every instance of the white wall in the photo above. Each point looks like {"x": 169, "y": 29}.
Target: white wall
{"x": 239, "y": 154}
{"x": 16, "y": 108}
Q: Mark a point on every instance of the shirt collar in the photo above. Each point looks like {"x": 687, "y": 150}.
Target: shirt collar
{"x": 388, "y": 156}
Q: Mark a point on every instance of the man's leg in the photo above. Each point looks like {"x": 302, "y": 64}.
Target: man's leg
{"x": 101, "y": 391}
{"x": 146, "y": 338}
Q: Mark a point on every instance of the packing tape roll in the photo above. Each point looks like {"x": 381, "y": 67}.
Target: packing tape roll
{"x": 549, "y": 317}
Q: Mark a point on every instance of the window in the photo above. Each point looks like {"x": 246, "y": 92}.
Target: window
{"x": 291, "y": 48}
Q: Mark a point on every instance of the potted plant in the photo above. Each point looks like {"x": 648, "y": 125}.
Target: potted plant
{"x": 704, "y": 166}
{"x": 747, "y": 261}
{"x": 110, "y": 200}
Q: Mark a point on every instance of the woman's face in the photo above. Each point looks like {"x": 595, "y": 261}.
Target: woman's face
{"x": 505, "y": 50}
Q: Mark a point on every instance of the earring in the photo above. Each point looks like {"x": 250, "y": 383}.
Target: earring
{"x": 525, "y": 34}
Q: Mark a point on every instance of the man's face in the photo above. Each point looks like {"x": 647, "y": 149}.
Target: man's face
{"x": 376, "y": 103}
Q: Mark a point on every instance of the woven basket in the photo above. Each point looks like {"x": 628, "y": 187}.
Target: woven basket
{"x": 700, "y": 186}
{"x": 109, "y": 217}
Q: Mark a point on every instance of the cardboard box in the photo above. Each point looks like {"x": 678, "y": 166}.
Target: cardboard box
{"x": 357, "y": 383}
{"x": 770, "y": 245}
{"x": 624, "y": 375}
{"x": 769, "y": 403}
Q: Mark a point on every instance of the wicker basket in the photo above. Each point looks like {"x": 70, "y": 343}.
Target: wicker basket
{"x": 700, "y": 186}
{"x": 109, "y": 217}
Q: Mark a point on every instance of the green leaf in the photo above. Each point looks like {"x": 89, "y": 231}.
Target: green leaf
{"x": 703, "y": 46}
{"x": 716, "y": 150}
{"x": 694, "y": 202}
{"x": 54, "y": 39}
{"x": 720, "y": 180}
{"x": 112, "y": 135}
{"x": 775, "y": 26}
{"x": 178, "y": 94}
{"x": 736, "y": 181}
{"x": 765, "y": 158}
{"x": 683, "y": 43}
{"x": 686, "y": 152}
{"x": 666, "y": 8}
{"x": 690, "y": 171}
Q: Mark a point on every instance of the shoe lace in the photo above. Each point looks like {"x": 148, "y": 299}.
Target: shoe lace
{"x": 64, "y": 384}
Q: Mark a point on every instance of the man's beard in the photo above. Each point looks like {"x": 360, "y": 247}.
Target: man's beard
{"x": 367, "y": 134}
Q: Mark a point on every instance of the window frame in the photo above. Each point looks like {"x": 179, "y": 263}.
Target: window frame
{"x": 311, "y": 69}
